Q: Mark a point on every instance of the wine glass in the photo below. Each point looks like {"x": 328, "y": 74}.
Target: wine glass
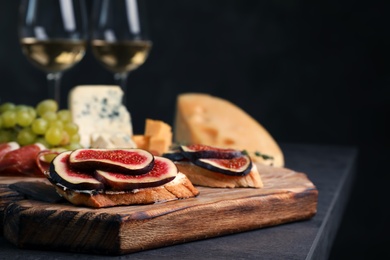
{"x": 119, "y": 39}
{"x": 53, "y": 36}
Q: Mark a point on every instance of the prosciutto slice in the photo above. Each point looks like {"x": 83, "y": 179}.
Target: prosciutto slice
{"x": 8, "y": 147}
{"x": 22, "y": 161}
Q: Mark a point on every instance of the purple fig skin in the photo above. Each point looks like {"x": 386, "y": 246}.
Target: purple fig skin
{"x": 176, "y": 155}
{"x": 197, "y": 151}
{"x": 238, "y": 166}
{"x": 126, "y": 161}
{"x": 164, "y": 171}
{"x": 61, "y": 174}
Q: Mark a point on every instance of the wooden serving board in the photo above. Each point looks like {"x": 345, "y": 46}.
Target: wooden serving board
{"x": 287, "y": 196}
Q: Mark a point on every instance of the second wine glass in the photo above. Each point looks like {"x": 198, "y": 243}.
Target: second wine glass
{"x": 119, "y": 39}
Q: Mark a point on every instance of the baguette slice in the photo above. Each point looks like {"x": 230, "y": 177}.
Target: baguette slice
{"x": 205, "y": 119}
{"x": 203, "y": 177}
{"x": 179, "y": 188}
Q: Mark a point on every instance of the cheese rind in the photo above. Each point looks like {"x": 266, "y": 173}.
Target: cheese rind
{"x": 98, "y": 109}
{"x": 205, "y": 119}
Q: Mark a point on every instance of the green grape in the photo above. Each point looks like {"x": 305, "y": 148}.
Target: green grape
{"x": 6, "y": 136}
{"x": 71, "y": 128}
{"x": 42, "y": 140}
{"x": 26, "y": 136}
{"x": 46, "y": 105}
{"x": 75, "y": 138}
{"x": 57, "y": 123}
{"x": 58, "y": 149}
{"x": 9, "y": 118}
{"x": 6, "y": 106}
{"x": 23, "y": 118}
{"x": 48, "y": 157}
{"x": 43, "y": 124}
{"x": 21, "y": 108}
{"x": 32, "y": 111}
{"x": 64, "y": 115}
{"x": 53, "y": 136}
{"x": 49, "y": 116}
{"x": 39, "y": 126}
{"x": 65, "y": 139}
{"x": 73, "y": 146}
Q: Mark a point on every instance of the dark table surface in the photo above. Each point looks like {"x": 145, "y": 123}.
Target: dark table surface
{"x": 330, "y": 168}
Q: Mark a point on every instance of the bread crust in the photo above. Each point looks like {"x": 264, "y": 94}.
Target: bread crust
{"x": 203, "y": 177}
{"x": 179, "y": 188}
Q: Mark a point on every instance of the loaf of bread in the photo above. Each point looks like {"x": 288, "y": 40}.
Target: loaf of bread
{"x": 179, "y": 188}
{"x": 205, "y": 119}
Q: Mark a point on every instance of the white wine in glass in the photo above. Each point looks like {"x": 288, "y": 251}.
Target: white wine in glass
{"x": 119, "y": 38}
{"x": 53, "y": 36}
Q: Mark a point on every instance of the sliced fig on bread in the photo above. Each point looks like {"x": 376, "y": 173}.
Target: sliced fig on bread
{"x": 97, "y": 188}
{"x": 126, "y": 161}
{"x": 174, "y": 155}
{"x": 61, "y": 174}
{"x": 238, "y": 166}
{"x": 196, "y": 151}
{"x": 163, "y": 171}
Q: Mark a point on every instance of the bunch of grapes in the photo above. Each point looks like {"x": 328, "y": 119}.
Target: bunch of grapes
{"x": 44, "y": 124}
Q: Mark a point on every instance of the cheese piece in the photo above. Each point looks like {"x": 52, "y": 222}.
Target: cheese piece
{"x": 158, "y": 146}
{"x": 160, "y": 134}
{"x": 205, "y": 119}
{"x": 157, "y": 137}
{"x": 98, "y": 109}
{"x": 141, "y": 141}
{"x": 117, "y": 140}
{"x": 157, "y": 128}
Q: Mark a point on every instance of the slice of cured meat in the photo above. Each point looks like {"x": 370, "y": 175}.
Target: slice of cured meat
{"x": 22, "y": 161}
{"x": 8, "y": 147}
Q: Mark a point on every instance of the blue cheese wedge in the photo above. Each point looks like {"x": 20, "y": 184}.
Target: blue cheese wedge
{"x": 98, "y": 110}
{"x": 116, "y": 140}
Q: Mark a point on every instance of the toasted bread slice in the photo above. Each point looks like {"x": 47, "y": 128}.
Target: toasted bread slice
{"x": 179, "y": 188}
{"x": 203, "y": 177}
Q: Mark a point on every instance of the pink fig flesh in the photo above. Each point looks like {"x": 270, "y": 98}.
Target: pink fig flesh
{"x": 61, "y": 174}
{"x": 163, "y": 171}
{"x": 196, "y": 151}
{"x": 126, "y": 161}
{"x": 238, "y": 166}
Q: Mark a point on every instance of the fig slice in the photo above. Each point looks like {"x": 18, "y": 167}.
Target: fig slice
{"x": 238, "y": 166}
{"x": 61, "y": 174}
{"x": 131, "y": 161}
{"x": 174, "y": 155}
{"x": 196, "y": 151}
{"x": 164, "y": 171}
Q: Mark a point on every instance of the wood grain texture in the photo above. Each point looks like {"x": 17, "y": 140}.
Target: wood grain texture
{"x": 287, "y": 196}
{"x": 6, "y": 197}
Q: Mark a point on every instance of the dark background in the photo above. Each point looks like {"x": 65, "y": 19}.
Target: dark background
{"x": 313, "y": 72}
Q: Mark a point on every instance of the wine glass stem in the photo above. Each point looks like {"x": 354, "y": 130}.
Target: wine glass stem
{"x": 54, "y": 80}
{"x": 121, "y": 80}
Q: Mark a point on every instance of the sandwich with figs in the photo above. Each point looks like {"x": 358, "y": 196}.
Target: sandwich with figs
{"x": 112, "y": 177}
